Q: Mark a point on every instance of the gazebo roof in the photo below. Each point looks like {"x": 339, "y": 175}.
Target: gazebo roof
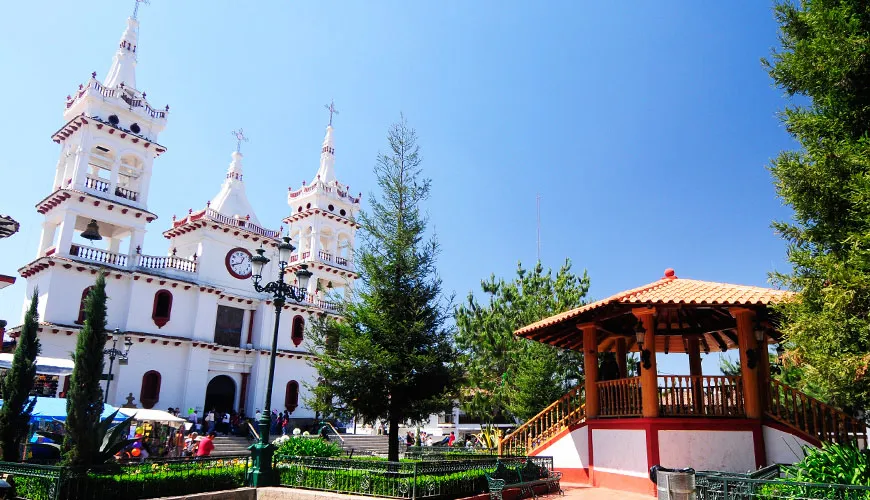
{"x": 684, "y": 307}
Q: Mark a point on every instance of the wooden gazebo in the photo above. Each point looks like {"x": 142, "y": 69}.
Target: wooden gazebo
{"x": 609, "y": 432}
{"x": 668, "y": 316}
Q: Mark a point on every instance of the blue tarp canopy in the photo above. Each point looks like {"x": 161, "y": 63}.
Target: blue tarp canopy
{"x": 55, "y": 409}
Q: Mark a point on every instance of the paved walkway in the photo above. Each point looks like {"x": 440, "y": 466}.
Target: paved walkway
{"x": 583, "y": 492}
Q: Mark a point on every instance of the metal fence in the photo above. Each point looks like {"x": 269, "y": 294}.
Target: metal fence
{"x": 765, "y": 485}
{"x": 407, "y": 479}
{"x": 151, "y": 479}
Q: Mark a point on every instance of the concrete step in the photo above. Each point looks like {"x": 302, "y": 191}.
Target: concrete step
{"x": 230, "y": 445}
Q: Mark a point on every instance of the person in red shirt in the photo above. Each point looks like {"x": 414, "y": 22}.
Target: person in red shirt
{"x": 206, "y": 446}
{"x": 452, "y": 439}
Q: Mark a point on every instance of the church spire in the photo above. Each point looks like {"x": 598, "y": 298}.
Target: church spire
{"x": 123, "y": 68}
{"x": 326, "y": 172}
{"x": 232, "y": 201}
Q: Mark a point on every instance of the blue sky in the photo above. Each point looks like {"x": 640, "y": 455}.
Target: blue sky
{"x": 646, "y": 128}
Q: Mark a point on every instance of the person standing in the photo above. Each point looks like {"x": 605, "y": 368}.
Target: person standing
{"x": 206, "y": 446}
{"x": 209, "y": 420}
{"x": 178, "y": 445}
{"x": 194, "y": 420}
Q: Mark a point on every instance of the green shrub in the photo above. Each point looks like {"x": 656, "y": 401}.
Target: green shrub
{"x": 383, "y": 483}
{"x": 832, "y": 464}
{"x": 133, "y": 482}
{"x": 298, "y": 446}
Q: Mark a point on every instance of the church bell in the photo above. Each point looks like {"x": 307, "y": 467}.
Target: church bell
{"x": 92, "y": 232}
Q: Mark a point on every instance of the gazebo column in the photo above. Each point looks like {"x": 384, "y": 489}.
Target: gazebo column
{"x": 694, "y": 352}
{"x": 763, "y": 373}
{"x": 649, "y": 381}
{"x": 590, "y": 367}
{"x": 620, "y": 357}
{"x": 746, "y": 343}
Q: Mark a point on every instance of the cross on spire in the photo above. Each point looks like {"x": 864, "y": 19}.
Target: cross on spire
{"x": 331, "y": 108}
{"x": 136, "y": 8}
{"x": 240, "y": 137}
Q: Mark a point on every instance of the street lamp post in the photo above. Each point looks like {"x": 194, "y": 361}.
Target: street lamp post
{"x": 113, "y": 353}
{"x": 261, "y": 451}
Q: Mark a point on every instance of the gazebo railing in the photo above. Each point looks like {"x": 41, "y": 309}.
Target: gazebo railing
{"x": 563, "y": 413}
{"x": 700, "y": 396}
{"x": 620, "y": 397}
{"x": 810, "y": 416}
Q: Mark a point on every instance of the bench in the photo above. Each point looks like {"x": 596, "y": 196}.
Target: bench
{"x": 524, "y": 477}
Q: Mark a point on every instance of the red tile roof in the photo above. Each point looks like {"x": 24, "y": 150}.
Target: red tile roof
{"x": 672, "y": 290}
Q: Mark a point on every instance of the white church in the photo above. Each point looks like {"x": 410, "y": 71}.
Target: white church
{"x": 201, "y": 336}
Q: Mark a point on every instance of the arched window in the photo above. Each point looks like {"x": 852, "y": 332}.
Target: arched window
{"x": 150, "y": 393}
{"x": 298, "y": 331}
{"x": 81, "y": 317}
{"x": 162, "y": 308}
{"x": 291, "y": 396}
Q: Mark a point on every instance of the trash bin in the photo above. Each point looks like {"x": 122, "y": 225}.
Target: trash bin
{"x": 673, "y": 484}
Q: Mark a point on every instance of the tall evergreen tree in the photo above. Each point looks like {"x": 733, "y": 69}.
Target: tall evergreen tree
{"x": 16, "y": 385}
{"x": 507, "y": 376}
{"x": 84, "y": 403}
{"x": 824, "y": 63}
{"x": 393, "y": 358}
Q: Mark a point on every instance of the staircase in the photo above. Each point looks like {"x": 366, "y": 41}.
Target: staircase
{"x": 230, "y": 445}
{"x": 537, "y": 431}
{"x": 812, "y": 418}
{"x": 361, "y": 444}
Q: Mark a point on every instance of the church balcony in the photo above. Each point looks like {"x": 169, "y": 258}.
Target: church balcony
{"x": 134, "y": 99}
{"x": 147, "y": 262}
{"x": 237, "y": 222}
{"x": 98, "y": 255}
{"x": 323, "y": 257}
{"x": 103, "y": 187}
{"x": 166, "y": 262}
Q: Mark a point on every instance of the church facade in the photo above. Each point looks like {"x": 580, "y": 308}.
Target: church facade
{"x": 201, "y": 336}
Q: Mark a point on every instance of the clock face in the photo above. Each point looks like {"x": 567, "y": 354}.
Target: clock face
{"x": 239, "y": 263}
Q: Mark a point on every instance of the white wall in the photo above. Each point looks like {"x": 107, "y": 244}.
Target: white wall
{"x": 782, "y": 447}
{"x": 570, "y": 451}
{"x": 620, "y": 451}
{"x": 729, "y": 451}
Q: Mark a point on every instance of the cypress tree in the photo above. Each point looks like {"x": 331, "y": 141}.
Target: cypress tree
{"x": 84, "y": 403}
{"x": 17, "y": 384}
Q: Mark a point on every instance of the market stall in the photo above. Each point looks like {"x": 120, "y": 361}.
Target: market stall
{"x": 49, "y": 373}
{"x": 154, "y": 427}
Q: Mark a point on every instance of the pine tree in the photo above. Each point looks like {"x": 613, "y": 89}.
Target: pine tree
{"x": 84, "y": 403}
{"x": 393, "y": 358}
{"x": 824, "y": 63}
{"x": 17, "y": 384}
{"x": 506, "y": 376}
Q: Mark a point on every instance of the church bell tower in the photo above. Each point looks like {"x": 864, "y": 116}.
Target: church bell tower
{"x": 98, "y": 207}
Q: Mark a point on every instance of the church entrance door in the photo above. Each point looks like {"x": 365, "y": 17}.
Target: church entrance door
{"x": 220, "y": 394}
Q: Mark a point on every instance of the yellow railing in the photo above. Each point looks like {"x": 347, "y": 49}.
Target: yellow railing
{"x": 619, "y": 398}
{"x": 700, "y": 396}
{"x": 812, "y": 417}
{"x": 565, "y": 412}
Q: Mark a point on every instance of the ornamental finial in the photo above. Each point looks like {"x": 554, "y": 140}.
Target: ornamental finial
{"x": 240, "y": 137}
{"x": 331, "y": 108}
{"x": 136, "y": 8}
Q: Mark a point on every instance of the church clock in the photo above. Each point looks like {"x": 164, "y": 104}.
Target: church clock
{"x": 238, "y": 263}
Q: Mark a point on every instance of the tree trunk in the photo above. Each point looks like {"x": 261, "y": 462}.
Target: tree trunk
{"x": 393, "y": 451}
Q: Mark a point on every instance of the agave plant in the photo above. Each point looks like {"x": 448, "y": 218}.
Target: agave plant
{"x": 110, "y": 439}
{"x": 489, "y": 436}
